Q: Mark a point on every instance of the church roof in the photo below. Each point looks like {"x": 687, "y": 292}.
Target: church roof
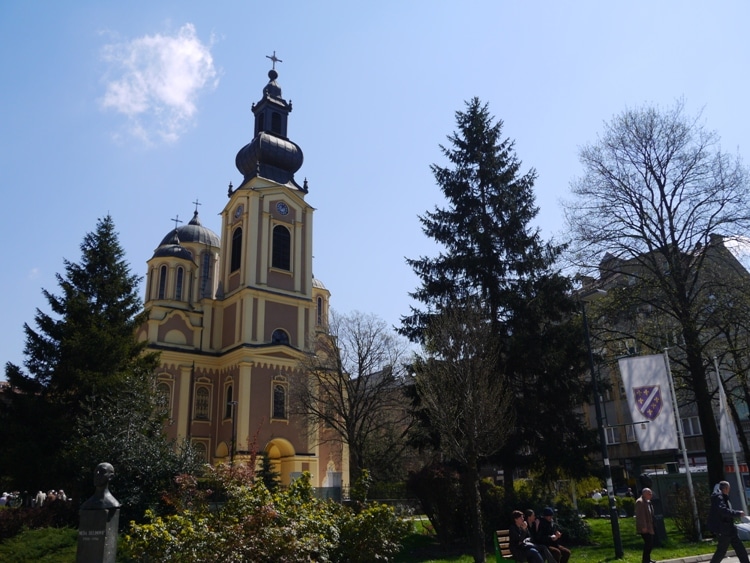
{"x": 193, "y": 232}
{"x": 173, "y": 249}
{"x": 271, "y": 154}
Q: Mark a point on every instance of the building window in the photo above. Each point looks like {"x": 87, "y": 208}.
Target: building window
{"x": 228, "y": 406}
{"x": 319, "y": 312}
{"x": 201, "y": 452}
{"x": 236, "y": 250}
{"x": 276, "y": 123}
{"x": 280, "y": 336}
{"x": 178, "y": 284}
{"x": 201, "y": 403}
{"x": 162, "y": 282}
{"x": 691, "y": 426}
{"x": 164, "y": 397}
{"x": 279, "y": 401}
{"x": 281, "y": 248}
{"x": 205, "y": 274}
{"x": 630, "y": 433}
{"x": 613, "y": 436}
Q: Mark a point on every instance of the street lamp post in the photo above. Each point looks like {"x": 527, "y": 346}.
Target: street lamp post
{"x": 613, "y": 516}
{"x": 234, "y": 432}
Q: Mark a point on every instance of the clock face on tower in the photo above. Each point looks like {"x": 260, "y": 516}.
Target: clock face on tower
{"x": 282, "y": 208}
{"x": 238, "y": 212}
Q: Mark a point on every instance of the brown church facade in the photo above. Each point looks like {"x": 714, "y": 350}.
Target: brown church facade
{"x": 233, "y": 315}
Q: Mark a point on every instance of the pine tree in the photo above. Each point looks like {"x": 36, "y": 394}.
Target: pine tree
{"x": 80, "y": 354}
{"x": 492, "y": 255}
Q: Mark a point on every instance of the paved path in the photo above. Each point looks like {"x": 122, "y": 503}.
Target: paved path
{"x": 730, "y": 558}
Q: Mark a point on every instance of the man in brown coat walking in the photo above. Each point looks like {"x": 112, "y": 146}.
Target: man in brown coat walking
{"x": 644, "y": 523}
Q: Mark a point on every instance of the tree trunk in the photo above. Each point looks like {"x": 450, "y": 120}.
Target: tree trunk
{"x": 474, "y": 507}
{"x": 714, "y": 459}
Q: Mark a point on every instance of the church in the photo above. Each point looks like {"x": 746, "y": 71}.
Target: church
{"x": 233, "y": 314}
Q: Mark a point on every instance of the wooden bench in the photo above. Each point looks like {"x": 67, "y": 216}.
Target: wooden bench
{"x": 502, "y": 546}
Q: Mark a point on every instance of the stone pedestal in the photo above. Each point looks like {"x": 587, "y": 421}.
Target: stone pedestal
{"x": 97, "y": 535}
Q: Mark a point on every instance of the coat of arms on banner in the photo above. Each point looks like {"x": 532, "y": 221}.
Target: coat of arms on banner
{"x": 648, "y": 400}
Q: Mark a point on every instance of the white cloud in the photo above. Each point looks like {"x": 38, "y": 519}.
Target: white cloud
{"x": 155, "y": 80}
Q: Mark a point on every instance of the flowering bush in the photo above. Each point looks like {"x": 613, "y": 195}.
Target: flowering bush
{"x": 252, "y": 524}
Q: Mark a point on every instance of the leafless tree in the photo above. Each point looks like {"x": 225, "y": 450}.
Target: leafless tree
{"x": 467, "y": 402}
{"x": 657, "y": 193}
{"x": 352, "y": 390}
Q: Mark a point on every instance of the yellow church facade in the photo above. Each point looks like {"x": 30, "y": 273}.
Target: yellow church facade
{"x": 233, "y": 315}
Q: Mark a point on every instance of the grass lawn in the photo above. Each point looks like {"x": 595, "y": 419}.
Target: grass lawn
{"x": 59, "y": 546}
{"x": 421, "y": 548}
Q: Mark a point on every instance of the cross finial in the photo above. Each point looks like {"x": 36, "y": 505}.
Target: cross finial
{"x": 176, "y": 220}
{"x": 274, "y": 60}
{"x": 196, "y": 203}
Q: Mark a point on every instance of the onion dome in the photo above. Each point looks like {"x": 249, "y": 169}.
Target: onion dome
{"x": 270, "y": 157}
{"x": 193, "y": 232}
{"x": 271, "y": 154}
{"x": 316, "y": 283}
{"x": 173, "y": 249}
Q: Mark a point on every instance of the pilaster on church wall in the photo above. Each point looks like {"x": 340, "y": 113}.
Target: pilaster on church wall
{"x": 253, "y": 234}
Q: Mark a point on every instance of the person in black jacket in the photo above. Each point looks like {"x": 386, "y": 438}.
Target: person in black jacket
{"x": 521, "y": 546}
{"x": 548, "y": 534}
{"x": 721, "y": 522}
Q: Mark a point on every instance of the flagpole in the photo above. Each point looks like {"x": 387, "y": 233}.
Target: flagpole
{"x": 681, "y": 437}
{"x": 723, "y": 408}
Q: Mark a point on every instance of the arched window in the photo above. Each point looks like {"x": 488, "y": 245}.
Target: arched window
{"x": 279, "y": 401}
{"x": 201, "y": 403}
{"x": 236, "y": 250}
{"x": 162, "y": 282}
{"x": 276, "y": 123}
{"x": 281, "y": 248}
{"x": 164, "y": 397}
{"x": 205, "y": 275}
{"x": 279, "y": 336}
{"x": 319, "y": 312}
{"x": 178, "y": 284}
{"x": 200, "y": 451}
{"x": 228, "y": 405}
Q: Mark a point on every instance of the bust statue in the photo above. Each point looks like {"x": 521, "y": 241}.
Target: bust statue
{"x": 102, "y": 498}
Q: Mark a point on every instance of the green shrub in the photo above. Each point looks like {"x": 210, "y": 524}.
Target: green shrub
{"x": 51, "y": 545}
{"x": 438, "y": 489}
{"x": 55, "y": 514}
{"x": 252, "y": 524}
{"x": 684, "y": 519}
{"x": 626, "y": 504}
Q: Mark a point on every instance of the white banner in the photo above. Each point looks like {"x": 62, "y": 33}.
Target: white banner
{"x": 729, "y": 443}
{"x": 646, "y": 383}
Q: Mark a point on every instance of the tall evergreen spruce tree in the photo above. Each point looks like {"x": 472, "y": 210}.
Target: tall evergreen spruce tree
{"x": 82, "y": 361}
{"x": 491, "y": 253}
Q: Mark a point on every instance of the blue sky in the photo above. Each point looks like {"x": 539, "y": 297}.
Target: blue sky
{"x": 138, "y": 108}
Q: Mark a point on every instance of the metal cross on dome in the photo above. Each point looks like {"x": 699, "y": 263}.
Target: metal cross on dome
{"x": 274, "y": 60}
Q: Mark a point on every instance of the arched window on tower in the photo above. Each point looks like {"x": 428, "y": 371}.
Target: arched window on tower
{"x": 236, "y": 250}
{"x": 205, "y": 275}
{"x": 281, "y": 248}
{"x": 178, "y": 283}
{"x": 162, "y": 282}
{"x": 276, "y": 123}
{"x": 228, "y": 405}
{"x": 280, "y": 336}
{"x": 319, "y": 312}
{"x": 279, "y": 401}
